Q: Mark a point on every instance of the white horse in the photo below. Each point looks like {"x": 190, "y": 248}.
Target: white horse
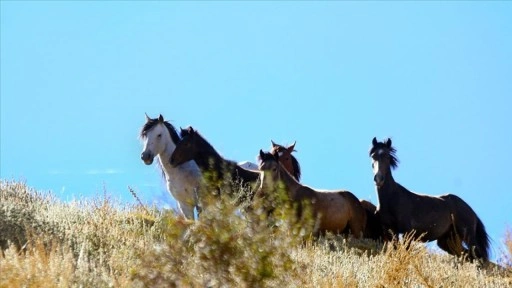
{"x": 160, "y": 138}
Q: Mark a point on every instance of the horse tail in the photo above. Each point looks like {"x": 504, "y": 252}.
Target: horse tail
{"x": 477, "y": 239}
{"x": 482, "y": 240}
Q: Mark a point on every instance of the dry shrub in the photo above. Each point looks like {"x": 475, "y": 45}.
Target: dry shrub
{"x": 99, "y": 243}
{"x": 95, "y": 237}
{"x": 226, "y": 247}
{"x": 507, "y": 254}
{"x": 37, "y": 266}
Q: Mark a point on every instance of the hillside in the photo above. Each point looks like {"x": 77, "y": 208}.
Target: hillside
{"x": 99, "y": 243}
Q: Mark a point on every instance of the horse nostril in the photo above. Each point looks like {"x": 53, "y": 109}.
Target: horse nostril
{"x": 378, "y": 179}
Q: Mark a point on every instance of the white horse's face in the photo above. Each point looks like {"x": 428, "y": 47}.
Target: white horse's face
{"x": 155, "y": 142}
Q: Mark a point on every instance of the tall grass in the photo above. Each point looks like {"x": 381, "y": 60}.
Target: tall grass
{"x": 100, "y": 243}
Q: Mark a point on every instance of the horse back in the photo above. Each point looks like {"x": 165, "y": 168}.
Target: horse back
{"x": 358, "y": 210}
{"x": 459, "y": 208}
{"x": 343, "y": 202}
{"x": 246, "y": 174}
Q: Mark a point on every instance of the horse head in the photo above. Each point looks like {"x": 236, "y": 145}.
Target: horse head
{"x": 156, "y": 134}
{"x": 383, "y": 160}
{"x": 269, "y": 164}
{"x": 186, "y": 149}
{"x": 286, "y": 158}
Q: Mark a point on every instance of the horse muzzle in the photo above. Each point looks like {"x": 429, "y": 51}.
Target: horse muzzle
{"x": 147, "y": 157}
{"x": 379, "y": 180}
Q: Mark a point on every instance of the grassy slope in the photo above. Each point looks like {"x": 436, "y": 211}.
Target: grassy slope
{"x": 47, "y": 243}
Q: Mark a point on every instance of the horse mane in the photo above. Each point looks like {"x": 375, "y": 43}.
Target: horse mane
{"x": 153, "y": 122}
{"x": 207, "y": 146}
{"x": 296, "y": 167}
{"x": 393, "y": 160}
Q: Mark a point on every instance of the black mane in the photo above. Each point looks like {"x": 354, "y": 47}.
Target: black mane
{"x": 152, "y": 122}
{"x": 393, "y": 160}
{"x": 206, "y": 146}
{"x": 296, "y": 167}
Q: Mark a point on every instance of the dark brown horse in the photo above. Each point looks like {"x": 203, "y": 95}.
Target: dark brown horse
{"x": 335, "y": 211}
{"x": 373, "y": 229}
{"x": 447, "y": 218}
{"x": 290, "y": 163}
{"x": 216, "y": 170}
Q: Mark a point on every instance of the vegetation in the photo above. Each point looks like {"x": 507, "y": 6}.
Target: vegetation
{"x": 100, "y": 243}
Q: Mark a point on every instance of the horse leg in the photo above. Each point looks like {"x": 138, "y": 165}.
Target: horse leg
{"x": 468, "y": 237}
{"x": 445, "y": 244}
{"x": 357, "y": 226}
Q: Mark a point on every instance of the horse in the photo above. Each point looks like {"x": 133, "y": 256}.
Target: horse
{"x": 286, "y": 158}
{"x": 334, "y": 211}
{"x": 446, "y": 218}
{"x": 373, "y": 227}
{"x": 290, "y": 163}
{"x": 216, "y": 170}
{"x": 159, "y": 139}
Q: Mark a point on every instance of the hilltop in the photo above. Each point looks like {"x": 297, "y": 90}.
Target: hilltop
{"x": 100, "y": 243}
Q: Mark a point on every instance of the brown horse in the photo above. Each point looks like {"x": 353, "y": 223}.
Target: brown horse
{"x": 447, "y": 218}
{"x": 335, "y": 211}
{"x": 290, "y": 163}
{"x": 216, "y": 170}
{"x": 286, "y": 158}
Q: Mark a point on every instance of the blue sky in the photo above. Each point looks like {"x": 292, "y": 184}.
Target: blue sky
{"x": 77, "y": 78}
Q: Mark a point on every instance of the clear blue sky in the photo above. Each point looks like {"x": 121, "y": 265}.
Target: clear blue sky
{"x": 77, "y": 77}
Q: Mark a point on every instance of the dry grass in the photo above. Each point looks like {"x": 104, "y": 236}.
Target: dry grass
{"x": 99, "y": 243}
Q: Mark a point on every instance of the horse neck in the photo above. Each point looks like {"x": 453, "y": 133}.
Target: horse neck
{"x": 291, "y": 184}
{"x": 164, "y": 156}
{"x": 389, "y": 190}
{"x": 207, "y": 154}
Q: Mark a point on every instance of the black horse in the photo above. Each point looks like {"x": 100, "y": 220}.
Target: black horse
{"x": 447, "y": 218}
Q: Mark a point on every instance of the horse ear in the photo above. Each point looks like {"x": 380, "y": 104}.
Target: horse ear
{"x": 147, "y": 117}
{"x": 161, "y": 118}
{"x": 273, "y": 144}
{"x": 388, "y": 143}
{"x": 291, "y": 148}
{"x": 261, "y": 154}
{"x": 191, "y": 130}
{"x": 374, "y": 141}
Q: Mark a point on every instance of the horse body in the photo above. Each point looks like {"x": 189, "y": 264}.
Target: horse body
{"x": 214, "y": 167}
{"x": 447, "y": 218}
{"x": 335, "y": 211}
{"x": 290, "y": 163}
{"x": 373, "y": 228}
{"x": 403, "y": 211}
{"x": 160, "y": 138}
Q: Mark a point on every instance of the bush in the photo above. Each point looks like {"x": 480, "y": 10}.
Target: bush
{"x": 99, "y": 243}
